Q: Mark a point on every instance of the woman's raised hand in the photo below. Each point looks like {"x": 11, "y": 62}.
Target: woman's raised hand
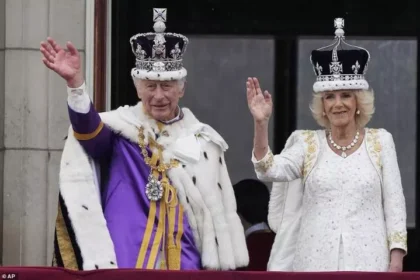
{"x": 260, "y": 103}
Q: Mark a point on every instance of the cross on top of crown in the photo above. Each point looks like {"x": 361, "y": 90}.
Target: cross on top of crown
{"x": 339, "y": 23}
{"x": 159, "y": 15}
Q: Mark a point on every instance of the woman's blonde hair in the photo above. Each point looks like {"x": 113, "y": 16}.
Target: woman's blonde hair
{"x": 365, "y": 104}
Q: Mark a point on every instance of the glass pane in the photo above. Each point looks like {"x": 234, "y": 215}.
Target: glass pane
{"x": 216, "y": 93}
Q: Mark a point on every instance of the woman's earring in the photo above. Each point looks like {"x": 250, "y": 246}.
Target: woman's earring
{"x": 358, "y": 112}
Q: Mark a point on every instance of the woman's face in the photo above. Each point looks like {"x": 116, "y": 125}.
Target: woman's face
{"x": 340, "y": 107}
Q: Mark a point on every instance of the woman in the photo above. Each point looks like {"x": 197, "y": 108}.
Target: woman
{"x": 341, "y": 204}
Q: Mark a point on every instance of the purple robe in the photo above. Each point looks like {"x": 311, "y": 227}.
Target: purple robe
{"x": 125, "y": 205}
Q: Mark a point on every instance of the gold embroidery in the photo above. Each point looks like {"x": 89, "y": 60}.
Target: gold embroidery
{"x": 311, "y": 149}
{"x": 398, "y": 238}
{"x": 310, "y": 155}
{"x": 377, "y": 147}
{"x": 64, "y": 243}
{"x": 265, "y": 164}
{"x": 374, "y": 146}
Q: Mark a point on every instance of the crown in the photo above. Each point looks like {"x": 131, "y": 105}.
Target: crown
{"x": 337, "y": 68}
{"x": 159, "y": 54}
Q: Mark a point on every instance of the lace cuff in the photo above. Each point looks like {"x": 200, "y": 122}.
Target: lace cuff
{"x": 264, "y": 164}
{"x": 398, "y": 240}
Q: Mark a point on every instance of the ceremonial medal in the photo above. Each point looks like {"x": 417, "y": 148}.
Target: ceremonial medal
{"x": 154, "y": 189}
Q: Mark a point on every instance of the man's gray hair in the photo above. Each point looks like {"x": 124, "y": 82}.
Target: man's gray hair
{"x": 182, "y": 82}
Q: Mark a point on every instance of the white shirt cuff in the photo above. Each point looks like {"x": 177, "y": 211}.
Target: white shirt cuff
{"x": 78, "y": 99}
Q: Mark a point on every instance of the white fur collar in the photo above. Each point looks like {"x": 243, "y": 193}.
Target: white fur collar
{"x": 180, "y": 140}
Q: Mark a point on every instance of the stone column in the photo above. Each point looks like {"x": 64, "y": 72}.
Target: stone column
{"x": 35, "y": 123}
{"x": 2, "y": 39}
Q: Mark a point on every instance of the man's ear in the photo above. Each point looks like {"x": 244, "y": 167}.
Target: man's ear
{"x": 137, "y": 87}
{"x": 182, "y": 92}
{"x": 138, "y": 93}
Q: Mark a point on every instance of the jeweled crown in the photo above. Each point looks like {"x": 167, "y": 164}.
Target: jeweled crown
{"x": 159, "y": 54}
{"x": 337, "y": 68}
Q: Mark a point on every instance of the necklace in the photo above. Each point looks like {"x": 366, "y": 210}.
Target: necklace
{"x": 344, "y": 148}
{"x": 155, "y": 186}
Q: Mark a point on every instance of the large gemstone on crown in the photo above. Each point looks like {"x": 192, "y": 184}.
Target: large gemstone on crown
{"x": 158, "y": 66}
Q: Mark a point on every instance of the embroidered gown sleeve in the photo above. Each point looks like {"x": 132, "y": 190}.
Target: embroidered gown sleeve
{"x": 393, "y": 196}
{"x": 284, "y": 167}
{"x": 88, "y": 128}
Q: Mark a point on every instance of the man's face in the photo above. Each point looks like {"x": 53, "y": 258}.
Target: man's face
{"x": 160, "y": 98}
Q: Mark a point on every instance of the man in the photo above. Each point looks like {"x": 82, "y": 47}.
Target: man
{"x": 143, "y": 186}
{"x": 252, "y": 197}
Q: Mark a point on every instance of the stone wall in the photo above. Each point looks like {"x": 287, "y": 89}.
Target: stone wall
{"x": 34, "y": 123}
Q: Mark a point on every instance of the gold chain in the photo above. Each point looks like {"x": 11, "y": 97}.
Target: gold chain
{"x": 170, "y": 198}
{"x": 162, "y": 167}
